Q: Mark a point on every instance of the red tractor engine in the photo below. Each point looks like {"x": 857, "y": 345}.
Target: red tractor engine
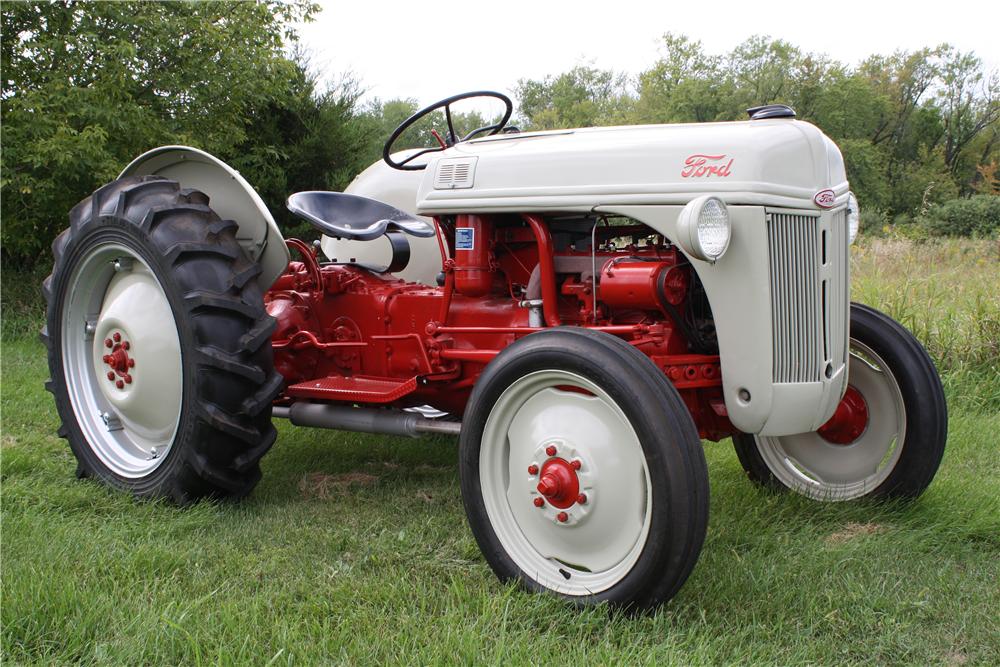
{"x": 348, "y": 334}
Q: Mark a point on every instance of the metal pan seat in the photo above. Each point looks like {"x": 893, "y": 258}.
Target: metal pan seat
{"x": 352, "y": 217}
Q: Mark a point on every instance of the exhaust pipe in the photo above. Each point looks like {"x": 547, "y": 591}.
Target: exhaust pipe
{"x": 364, "y": 420}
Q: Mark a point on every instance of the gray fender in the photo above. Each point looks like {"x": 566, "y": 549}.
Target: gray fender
{"x": 231, "y": 197}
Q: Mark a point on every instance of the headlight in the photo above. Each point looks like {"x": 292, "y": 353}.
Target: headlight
{"x": 703, "y": 228}
{"x": 853, "y": 217}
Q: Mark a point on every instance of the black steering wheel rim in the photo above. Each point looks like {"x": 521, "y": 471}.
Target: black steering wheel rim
{"x": 453, "y": 138}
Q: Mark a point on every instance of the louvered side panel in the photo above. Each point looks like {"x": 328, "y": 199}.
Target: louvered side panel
{"x": 796, "y": 297}
{"x": 840, "y": 304}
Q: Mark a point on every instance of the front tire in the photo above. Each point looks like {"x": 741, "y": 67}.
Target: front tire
{"x": 582, "y": 472}
{"x": 894, "y": 452}
{"x": 159, "y": 344}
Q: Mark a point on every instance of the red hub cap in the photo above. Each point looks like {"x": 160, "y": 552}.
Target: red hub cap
{"x": 118, "y": 361}
{"x": 849, "y": 421}
{"x": 558, "y": 483}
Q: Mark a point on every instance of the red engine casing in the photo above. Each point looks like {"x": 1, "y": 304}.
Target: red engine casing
{"x": 346, "y": 334}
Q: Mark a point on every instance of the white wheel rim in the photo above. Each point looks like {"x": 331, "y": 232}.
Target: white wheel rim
{"x": 113, "y": 295}
{"x": 602, "y": 538}
{"x": 811, "y": 465}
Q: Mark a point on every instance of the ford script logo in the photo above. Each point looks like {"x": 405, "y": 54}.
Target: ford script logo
{"x": 825, "y": 198}
{"x": 699, "y": 165}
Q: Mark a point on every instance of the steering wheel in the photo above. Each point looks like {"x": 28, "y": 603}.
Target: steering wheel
{"x": 452, "y": 137}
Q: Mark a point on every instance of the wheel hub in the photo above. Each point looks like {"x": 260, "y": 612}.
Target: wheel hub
{"x": 849, "y": 421}
{"x": 118, "y": 361}
{"x": 558, "y": 483}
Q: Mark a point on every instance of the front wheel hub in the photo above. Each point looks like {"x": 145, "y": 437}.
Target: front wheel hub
{"x": 850, "y": 420}
{"x": 558, "y": 483}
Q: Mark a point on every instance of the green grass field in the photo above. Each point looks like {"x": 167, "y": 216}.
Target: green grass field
{"x": 354, "y": 549}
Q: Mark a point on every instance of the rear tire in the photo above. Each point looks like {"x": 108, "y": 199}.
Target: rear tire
{"x": 159, "y": 344}
{"x": 903, "y": 441}
{"x": 592, "y": 411}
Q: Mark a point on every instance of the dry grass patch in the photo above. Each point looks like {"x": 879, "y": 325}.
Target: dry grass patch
{"x": 854, "y": 530}
{"x": 322, "y": 485}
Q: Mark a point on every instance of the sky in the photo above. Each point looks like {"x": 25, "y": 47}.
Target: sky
{"x": 430, "y": 50}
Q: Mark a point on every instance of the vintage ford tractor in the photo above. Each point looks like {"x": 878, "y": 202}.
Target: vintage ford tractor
{"x": 580, "y": 307}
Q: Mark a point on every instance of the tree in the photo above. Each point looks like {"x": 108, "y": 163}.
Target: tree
{"x": 969, "y": 102}
{"x": 581, "y": 97}
{"x": 88, "y": 86}
{"x": 684, "y": 85}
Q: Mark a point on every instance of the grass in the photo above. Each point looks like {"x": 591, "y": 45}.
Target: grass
{"x": 354, "y": 549}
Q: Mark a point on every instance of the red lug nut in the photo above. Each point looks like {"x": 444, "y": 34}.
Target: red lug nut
{"x": 131, "y": 363}
{"x": 532, "y": 469}
{"x": 107, "y": 359}
{"x": 120, "y": 384}
{"x": 563, "y": 517}
{"x": 550, "y": 450}
{"x": 582, "y": 499}
{"x": 117, "y": 336}
{"x": 126, "y": 345}
{"x": 538, "y": 502}
{"x": 108, "y": 343}
{"x": 111, "y": 375}
{"x": 127, "y": 378}
{"x": 576, "y": 464}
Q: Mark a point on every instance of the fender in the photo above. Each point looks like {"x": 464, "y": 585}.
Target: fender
{"x": 231, "y": 197}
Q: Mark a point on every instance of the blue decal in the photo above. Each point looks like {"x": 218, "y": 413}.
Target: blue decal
{"x": 465, "y": 238}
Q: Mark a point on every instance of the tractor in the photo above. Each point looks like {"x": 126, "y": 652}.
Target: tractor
{"x": 580, "y": 307}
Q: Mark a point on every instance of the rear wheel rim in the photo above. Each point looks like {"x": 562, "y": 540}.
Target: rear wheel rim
{"x": 121, "y": 360}
{"x": 559, "y": 421}
{"x": 823, "y": 470}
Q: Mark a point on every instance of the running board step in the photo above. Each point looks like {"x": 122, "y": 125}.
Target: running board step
{"x": 354, "y": 389}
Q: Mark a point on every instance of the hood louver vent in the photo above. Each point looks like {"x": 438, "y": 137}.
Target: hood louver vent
{"x": 455, "y": 173}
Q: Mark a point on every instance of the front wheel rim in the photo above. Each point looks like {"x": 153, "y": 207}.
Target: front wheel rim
{"x": 121, "y": 360}
{"x": 824, "y": 470}
{"x": 559, "y": 422}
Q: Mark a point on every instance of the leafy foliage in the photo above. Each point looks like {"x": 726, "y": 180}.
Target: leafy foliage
{"x": 88, "y": 86}
{"x": 978, "y": 216}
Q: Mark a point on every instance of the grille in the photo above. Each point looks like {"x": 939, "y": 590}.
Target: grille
{"x": 807, "y": 260}
{"x": 455, "y": 174}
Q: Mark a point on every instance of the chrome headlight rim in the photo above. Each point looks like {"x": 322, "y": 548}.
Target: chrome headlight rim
{"x": 692, "y": 223}
{"x": 853, "y": 218}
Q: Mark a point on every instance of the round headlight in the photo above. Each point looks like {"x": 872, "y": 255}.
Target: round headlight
{"x": 853, "y": 217}
{"x": 703, "y": 228}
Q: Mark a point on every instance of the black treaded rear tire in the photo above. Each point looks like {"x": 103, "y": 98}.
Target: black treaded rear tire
{"x": 224, "y": 332}
{"x": 923, "y": 398}
{"x": 666, "y": 432}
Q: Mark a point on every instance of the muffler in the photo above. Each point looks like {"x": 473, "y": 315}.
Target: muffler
{"x": 365, "y": 420}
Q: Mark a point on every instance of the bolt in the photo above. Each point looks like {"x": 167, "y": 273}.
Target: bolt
{"x": 108, "y": 358}
{"x": 108, "y": 343}
{"x": 120, "y": 384}
{"x": 563, "y": 517}
{"x": 127, "y": 378}
{"x": 538, "y": 502}
{"x": 582, "y": 499}
{"x": 576, "y": 464}
{"x": 126, "y": 345}
{"x": 131, "y": 363}
{"x": 117, "y": 336}
{"x": 550, "y": 450}
{"x": 111, "y": 376}
{"x": 532, "y": 469}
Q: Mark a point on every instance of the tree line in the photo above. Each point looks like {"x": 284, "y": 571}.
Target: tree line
{"x": 88, "y": 86}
